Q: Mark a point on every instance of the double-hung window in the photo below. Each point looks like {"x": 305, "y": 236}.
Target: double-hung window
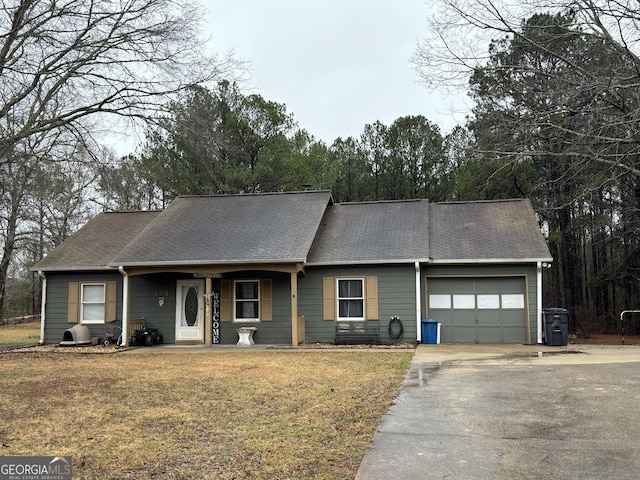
{"x": 247, "y": 300}
{"x": 92, "y": 307}
{"x": 351, "y": 299}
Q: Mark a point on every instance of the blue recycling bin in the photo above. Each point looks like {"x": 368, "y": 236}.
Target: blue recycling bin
{"x": 430, "y": 331}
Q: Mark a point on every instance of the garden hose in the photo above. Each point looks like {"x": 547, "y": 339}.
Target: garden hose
{"x": 396, "y": 330}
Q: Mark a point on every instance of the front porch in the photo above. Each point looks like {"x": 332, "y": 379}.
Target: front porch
{"x": 208, "y": 305}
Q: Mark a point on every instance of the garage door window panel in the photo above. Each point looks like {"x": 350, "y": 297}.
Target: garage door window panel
{"x": 464, "y": 302}
{"x": 439, "y": 301}
{"x": 511, "y": 301}
{"x": 488, "y": 302}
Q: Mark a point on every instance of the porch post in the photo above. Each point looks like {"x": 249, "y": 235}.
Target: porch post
{"x": 207, "y": 312}
{"x": 294, "y": 309}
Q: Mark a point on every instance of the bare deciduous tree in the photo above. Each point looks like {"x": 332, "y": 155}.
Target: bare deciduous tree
{"x": 460, "y": 31}
{"x": 64, "y": 61}
{"x": 68, "y": 68}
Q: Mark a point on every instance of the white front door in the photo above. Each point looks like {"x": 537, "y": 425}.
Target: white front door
{"x": 190, "y": 310}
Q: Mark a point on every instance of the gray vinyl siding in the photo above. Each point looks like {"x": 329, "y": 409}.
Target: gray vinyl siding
{"x": 56, "y": 310}
{"x": 528, "y": 270}
{"x": 396, "y": 296}
{"x": 143, "y": 302}
{"x": 276, "y": 331}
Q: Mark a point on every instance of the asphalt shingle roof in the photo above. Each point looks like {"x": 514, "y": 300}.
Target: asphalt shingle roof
{"x": 95, "y": 245}
{"x": 375, "y": 232}
{"x": 265, "y": 228}
{"x": 304, "y": 227}
{"x": 486, "y": 231}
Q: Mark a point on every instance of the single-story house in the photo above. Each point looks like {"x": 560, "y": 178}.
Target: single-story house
{"x": 297, "y": 265}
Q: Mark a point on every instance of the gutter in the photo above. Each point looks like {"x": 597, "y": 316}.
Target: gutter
{"x": 192, "y": 263}
{"x": 97, "y": 268}
{"x": 391, "y": 261}
{"x": 125, "y": 306}
{"x": 43, "y": 305}
{"x": 474, "y": 261}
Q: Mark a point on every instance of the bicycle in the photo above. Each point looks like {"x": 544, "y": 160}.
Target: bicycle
{"x": 110, "y": 334}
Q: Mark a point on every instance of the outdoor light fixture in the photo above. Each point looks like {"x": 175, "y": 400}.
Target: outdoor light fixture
{"x": 207, "y": 298}
{"x": 161, "y": 302}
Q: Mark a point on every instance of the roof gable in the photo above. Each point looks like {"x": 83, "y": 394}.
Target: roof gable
{"x": 96, "y": 244}
{"x": 260, "y": 228}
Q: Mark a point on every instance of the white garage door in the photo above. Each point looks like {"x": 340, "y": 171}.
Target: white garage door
{"x": 480, "y": 309}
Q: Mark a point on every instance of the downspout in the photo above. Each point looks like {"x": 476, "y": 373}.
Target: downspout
{"x": 418, "y": 307}
{"x": 125, "y": 306}
{"x": 539, "y": 301}
{"x": 43, "y": 305}
{"x": 294, "y": 309}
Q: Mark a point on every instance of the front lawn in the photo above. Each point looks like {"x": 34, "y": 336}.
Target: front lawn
{"x": 216, "y": 415}
{"x": 20, "y": 334}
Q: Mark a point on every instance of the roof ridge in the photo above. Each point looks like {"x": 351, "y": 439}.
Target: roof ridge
{"x": 132, "y": 211}
{"x": 497, "y": 200}
{"x": 376, "y": 202}
{"x": 254, "y": 194}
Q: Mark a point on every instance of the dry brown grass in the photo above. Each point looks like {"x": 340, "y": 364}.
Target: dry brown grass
{"x": 19, "y": 334}
{"x": 223, "y": 415}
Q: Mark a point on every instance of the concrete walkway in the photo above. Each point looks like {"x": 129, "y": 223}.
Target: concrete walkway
{"x": 525, "y": 354}
{"x": 512, "y": 412}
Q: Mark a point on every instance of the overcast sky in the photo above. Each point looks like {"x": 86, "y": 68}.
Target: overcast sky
{"x": 336, "y": 64}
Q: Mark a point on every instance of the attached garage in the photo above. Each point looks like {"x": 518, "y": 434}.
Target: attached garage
{"x": 480, "y": 309}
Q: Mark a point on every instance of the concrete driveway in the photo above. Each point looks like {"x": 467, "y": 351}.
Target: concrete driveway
{"x": 513, "y": 412}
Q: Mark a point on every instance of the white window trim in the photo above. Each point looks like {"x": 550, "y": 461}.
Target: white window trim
{"x": 338, "y": 298}
{"x": 83, "y": 303}
{"x": 245, "y": 320}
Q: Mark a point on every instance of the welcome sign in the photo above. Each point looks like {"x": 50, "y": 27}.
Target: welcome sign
{"x": 215, "y": 311}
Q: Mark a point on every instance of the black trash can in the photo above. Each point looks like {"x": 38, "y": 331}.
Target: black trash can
{"x": 556, "y": 326}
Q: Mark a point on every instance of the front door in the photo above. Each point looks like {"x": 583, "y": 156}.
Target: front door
{"x": 190, "y": 310}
